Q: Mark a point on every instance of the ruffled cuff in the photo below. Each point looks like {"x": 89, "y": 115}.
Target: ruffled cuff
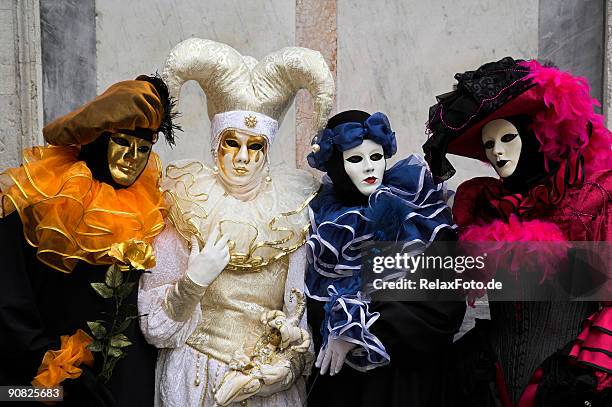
{"x": 58, "y": 365}
{"x": 593, "y": 346}
{"x": 348, "y": 317}
{"x": 182, "y": 298}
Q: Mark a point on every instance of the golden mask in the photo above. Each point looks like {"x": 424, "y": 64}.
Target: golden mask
{"x": 127, "y": 157}
{"x": 241, "y": 156}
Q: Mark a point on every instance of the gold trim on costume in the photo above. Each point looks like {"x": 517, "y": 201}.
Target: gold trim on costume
{"x": 185, "y": 225}
{"x": 231, "y": 309}
{"x": 249, "y": 261}
{"x": 187, "y": 222}
{"x": 69, "y": 216}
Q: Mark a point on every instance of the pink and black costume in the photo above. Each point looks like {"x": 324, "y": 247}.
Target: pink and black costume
{"x": 560, "y": 191}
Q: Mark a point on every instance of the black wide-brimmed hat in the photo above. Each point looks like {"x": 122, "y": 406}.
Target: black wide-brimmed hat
{"x": 558, "y": 104}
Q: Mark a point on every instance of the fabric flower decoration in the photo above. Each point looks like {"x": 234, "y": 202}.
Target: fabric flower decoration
{"x": 134, "y": 253}
{"x": 325, "y": 143}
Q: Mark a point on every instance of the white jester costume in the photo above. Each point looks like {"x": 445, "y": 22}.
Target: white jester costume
{"x": 199, "y": 329}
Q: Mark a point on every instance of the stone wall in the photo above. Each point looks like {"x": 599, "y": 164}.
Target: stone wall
{"x": 135, "y": 37}
{"x": 396, "y": 57}
{"x": 68, "y": 34}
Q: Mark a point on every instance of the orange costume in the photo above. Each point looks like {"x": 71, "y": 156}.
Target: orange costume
{"x": 61, "y": 212}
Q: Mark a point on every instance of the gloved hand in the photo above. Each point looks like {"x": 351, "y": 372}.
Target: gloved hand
{"x": 291, "y": 334}
{"x": 332, "y": 357}
{"x": 276, "y": 377}
{"x": 268, "y": 379}
{"x": 204, "y": 266}
{"x": 235, "y": 387}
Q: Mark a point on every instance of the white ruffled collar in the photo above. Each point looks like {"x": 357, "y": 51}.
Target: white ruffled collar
{"x": 270, "y": 225}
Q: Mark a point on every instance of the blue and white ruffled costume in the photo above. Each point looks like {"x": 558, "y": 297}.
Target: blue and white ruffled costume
{"x": 408, "y": 208}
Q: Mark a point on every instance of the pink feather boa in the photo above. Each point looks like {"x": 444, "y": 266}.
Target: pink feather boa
{"x": 536, "y": 253}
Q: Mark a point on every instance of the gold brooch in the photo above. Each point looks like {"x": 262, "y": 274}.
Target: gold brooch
{"x": 250, "y": 121}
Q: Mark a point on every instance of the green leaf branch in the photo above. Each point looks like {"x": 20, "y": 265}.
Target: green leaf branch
{"x": 109, "y": 340}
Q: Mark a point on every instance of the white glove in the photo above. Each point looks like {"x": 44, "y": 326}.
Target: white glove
{"x": 276, "y": 377}
{"x": 291, "y": 334}
{"x": 204, "y": 266}
{"x": 333, "y": 355}
{"x": 237, "y": 386}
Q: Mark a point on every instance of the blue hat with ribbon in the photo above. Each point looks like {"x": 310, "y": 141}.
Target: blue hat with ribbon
{"x": 348, "y": 129}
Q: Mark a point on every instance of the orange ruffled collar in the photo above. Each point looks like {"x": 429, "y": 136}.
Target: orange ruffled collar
{"x": 69, "y": 216}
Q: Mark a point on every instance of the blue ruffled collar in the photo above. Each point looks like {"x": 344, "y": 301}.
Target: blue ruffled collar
{"x": 408, "y": 207}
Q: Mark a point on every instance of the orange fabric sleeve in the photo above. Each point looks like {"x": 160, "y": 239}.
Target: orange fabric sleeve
{"x": 58, "y": 365}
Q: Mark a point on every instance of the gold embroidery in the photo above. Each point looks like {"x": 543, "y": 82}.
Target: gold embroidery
{"x": 258, "y": 252}
{"x": 231, "y": 310}
{"x": 250, "y": 121}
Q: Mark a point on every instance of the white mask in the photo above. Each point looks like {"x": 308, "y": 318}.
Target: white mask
{"x": 365, "y": 166}
{"x": 502, "y": 145}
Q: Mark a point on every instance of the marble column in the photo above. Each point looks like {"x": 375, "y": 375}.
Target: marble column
{"x": 68, "y": 31}
{"x": 571, "y": 36}
{"x": 315, "y": 28}
{"x": 20, "y": 87}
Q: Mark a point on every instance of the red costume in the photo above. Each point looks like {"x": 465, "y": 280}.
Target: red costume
{"x": 560, "y": 191}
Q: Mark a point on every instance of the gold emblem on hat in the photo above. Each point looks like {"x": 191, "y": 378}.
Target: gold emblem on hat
{"x": 250, "y": 121}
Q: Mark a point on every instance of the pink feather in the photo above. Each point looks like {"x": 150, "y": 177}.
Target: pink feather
{"x": 538, "y": 252}
{"x": 563, "y": 127}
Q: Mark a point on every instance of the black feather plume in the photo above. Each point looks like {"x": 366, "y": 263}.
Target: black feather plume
{"x": 168, "y": 126}
{"x": 547, "y": 63}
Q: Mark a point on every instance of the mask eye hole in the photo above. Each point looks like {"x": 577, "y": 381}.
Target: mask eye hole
{"x": 489, "y": 144}
{"x": 144, "y": 149}
{"x": 232, "y": 143}
{"x": 121, "y": 141}
{"x": 376, "y": 157}
{"x": 255, "y": 146}
{"x": 354, "y": 159}
{"x": 506, "y": 138}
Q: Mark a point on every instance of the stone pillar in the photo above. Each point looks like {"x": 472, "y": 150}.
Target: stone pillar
{"x": 315, "y": 27}
{"x": 21, "y": 84}
{"x": 571, "y": 35}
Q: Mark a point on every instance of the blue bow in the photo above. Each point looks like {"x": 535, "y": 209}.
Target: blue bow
{"x": 349, "y": 135}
